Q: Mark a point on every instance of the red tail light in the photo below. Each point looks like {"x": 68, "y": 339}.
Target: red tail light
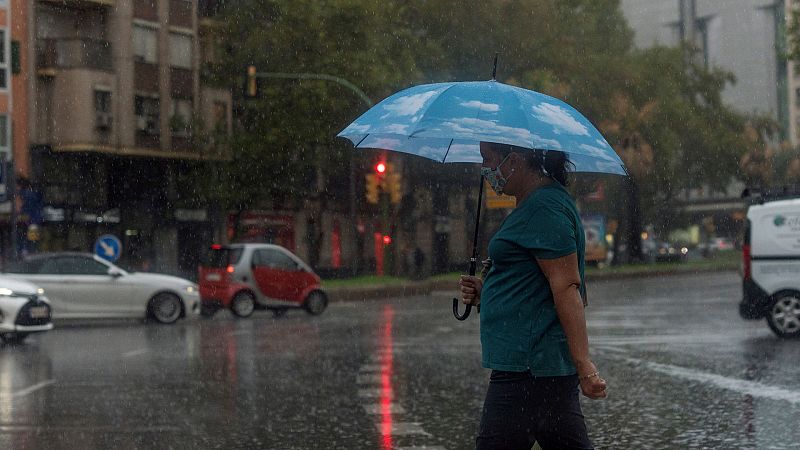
{"x": 746, "y": 263}
{"x": 230, "y": 269}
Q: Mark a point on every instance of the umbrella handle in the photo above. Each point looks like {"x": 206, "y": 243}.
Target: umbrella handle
{"x": 466, "y": 311}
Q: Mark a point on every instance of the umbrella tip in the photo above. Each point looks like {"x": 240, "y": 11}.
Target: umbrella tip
{"x": 494, "y": 69}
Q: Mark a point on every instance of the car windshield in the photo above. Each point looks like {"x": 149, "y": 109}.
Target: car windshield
{"x": 223, "y": 257}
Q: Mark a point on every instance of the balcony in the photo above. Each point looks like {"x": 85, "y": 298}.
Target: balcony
{"x": 81, "y": 3}
{"x": 74, "y": 53}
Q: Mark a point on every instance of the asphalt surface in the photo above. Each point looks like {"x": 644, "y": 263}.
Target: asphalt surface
{"x": 683, "y": 371}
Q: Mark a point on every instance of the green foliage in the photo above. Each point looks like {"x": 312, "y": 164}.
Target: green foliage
{"x": 282, "y": 137}
{"x": 578, "y": 50}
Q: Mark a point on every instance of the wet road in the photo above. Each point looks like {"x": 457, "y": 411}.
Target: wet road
{"x": 684, "y": 372}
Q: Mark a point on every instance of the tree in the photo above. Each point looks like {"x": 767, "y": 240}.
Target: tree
{"x": 284, "y": 151}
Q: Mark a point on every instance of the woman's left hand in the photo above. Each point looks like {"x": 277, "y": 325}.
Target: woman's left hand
{"x": 592, "y": 385}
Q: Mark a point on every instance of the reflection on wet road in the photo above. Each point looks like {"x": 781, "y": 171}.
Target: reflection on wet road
{"x": 684, "y": 372}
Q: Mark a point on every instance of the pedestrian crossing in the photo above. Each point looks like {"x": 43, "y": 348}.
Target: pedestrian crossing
{"x": 375, "y": 389}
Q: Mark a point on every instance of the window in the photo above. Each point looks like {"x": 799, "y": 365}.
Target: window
{"x": 274, "y": 259}
{"x": 220, "y": 115}
{"x": 102, "y": 106}
{"x": 3, "y": 60}
{"x": 147, "y": 114}
{"x": 73, "y": 265}
{"x": 180, "y": 50}
{"x": 4, "y": 140}
{"x": 181, "y": 120}
{"x": 102, "y": 101}
{"x": 145, "y": 44}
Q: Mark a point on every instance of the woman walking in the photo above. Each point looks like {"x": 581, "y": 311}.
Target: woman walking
{"x": 533, "y": 329}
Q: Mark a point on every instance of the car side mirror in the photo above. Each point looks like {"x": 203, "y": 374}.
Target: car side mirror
{"x": 114, "y": 273}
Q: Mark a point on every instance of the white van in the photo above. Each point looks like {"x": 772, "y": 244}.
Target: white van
{"x": 771, "y": 261}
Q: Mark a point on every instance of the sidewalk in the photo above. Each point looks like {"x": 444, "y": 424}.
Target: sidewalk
{"x": 409, "y": 288}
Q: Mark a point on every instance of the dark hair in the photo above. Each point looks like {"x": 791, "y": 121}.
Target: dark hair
{"x": 551, "y": 163}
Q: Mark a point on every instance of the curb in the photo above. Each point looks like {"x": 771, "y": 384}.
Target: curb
{"x": 417, "y": 288}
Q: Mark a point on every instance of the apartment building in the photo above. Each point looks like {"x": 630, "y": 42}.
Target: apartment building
{"x": 118, "y": 113}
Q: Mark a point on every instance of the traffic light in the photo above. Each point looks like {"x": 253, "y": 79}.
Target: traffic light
{"x": 373, "y": 188}
{"x": 251, "y": 83}
{"x": 380, "y": 168}
{"x": 387, "y": 240}
{"x": 394, "y": 187}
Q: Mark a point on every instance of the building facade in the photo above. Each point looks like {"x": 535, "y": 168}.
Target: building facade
{"x": 118, "y": 114}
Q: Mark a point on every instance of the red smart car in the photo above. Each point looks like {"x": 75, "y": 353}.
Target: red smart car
{"x": 243, "y": 277}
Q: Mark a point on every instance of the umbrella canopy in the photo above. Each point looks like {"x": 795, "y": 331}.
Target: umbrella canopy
{"x": 447, "y": 121}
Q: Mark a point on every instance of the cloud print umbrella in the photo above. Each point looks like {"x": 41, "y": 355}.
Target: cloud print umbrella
{"x": 447, "y": 122}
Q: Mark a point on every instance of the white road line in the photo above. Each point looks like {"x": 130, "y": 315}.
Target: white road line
{"x": 34, "y": 388}
{"x": 402, "y": 429}
{"x": 424, "y": 447}
{"x": 378, "y": 408}
{"x": 753, "y": 388}
{"x": 369, "y": 378}
{"x": 131, "y": 353}
{"x": 375, "y": 393}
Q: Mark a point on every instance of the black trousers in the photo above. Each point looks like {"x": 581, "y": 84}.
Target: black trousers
{"x": 521, "y": 409}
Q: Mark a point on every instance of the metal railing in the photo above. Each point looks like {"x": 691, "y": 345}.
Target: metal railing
{"x": 71, "y": 53}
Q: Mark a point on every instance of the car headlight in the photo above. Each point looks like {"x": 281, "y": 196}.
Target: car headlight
{"x": 191, "y": 289}
{"x": 40, "y": 291}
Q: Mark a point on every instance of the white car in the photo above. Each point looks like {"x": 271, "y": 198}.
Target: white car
{"x": 82, "y": 285}
{"x": 23, "y": 310}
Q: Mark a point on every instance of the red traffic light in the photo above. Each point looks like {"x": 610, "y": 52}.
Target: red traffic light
{"x": 380, "y": 167}
{"x": 387, "y": 239}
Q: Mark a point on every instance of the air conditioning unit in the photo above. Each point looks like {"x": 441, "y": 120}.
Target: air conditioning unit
{"x": 104, "y": 121}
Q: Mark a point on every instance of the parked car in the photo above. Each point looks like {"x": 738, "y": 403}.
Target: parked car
{"x": 669, "y": 252}
{"x": 770, "y": 264}
{"x": 243, "y": 277}
{"x": 82, "y": 285}
{"x": 24, "y": 309}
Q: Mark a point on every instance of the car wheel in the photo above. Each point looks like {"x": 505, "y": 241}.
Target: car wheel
{"x": 784, "y": 316}
{"x": 165, "y": 308}
{"x": 243, "y": 304}
{"x": 316, "y": 302}
{"x": 13, "y": 338}
{"x": 279, "y": 312}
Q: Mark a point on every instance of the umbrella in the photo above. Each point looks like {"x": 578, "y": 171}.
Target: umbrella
{"x": 447, "y": 122}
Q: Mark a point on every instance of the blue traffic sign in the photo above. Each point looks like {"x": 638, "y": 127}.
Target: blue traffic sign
{"x": 108, "y": 247}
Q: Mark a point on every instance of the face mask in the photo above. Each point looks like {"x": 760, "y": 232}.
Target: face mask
{"x": 495, "y": 178}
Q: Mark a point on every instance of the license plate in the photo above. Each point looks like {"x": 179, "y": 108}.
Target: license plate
{"x": 38, "y": 312}
{"x": 213, "y": 277}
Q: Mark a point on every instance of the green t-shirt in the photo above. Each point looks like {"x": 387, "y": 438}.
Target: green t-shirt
{"x": 520, "y": 329}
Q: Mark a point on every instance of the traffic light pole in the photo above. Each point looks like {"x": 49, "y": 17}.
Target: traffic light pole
{"x": 253, "y": 74}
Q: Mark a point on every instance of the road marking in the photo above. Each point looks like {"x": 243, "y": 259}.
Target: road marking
{"x": 34, "y": 388}
{"x": 375, "y": 393}
{"x": 393, "y": 408}
{"x": 752, "y": 388}
{"x": 424, "y": 447}
{"x": 371, "y": 368}
{"x": 131, "y": 353}
{"x": 402, "y": 429}
{"x": 369, "y": 378}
